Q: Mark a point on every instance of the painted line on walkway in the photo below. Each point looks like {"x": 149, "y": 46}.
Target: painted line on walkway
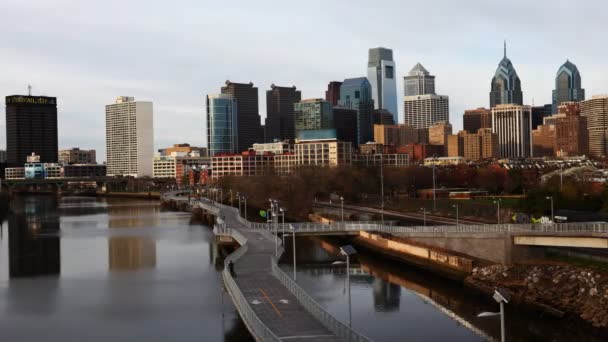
{"x": 305, "y": 336}
{"x": 269, "y": 301}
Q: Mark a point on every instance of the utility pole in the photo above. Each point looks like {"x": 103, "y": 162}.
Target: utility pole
{"x": 382, "y": 187}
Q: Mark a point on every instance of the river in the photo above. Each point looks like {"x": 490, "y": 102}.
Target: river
{"x": 98, "y": 269}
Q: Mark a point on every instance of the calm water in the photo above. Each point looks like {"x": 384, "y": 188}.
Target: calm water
{"x": 91, "y": 269}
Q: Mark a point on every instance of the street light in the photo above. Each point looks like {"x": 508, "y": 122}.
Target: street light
{"x": 347, "y": 251}
{"x": 497, "y": 202}
{"x": 456, "y": 206}
{"x": 342, "y": 208}
{"x": 283, "y": 210}
{"x": 423, "y": 215}
{"x": 434, "y": 195}
{"x": 294, "y": 249}
{"x": 238, "y": 195}
{"x": 501, "y": 297}
{"x": 552, "y": 216}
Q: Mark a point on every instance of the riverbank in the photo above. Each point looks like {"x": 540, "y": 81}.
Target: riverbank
{"x": 139, "y": 195}
{"x": 553, "y": 288}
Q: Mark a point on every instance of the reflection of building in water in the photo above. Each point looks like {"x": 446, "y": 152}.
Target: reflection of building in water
{"x": 32, "y": 254}
{"x": 131, "y": 252}
{"x": 387, "y": 296}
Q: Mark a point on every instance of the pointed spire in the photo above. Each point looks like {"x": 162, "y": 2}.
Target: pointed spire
{"x": 505, "y": 48}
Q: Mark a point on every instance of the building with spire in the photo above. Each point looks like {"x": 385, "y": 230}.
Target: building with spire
{"x": 567, "y": 86}
{"x": 506, "y": 86}
{"x": 381, "y": 76}
{"x": 418, "y": 81}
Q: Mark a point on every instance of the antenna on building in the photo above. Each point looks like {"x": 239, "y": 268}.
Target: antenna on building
{"x": 505, "y": 48}
{"x": 29, "y": 90}
{"x": 532, "y": 102}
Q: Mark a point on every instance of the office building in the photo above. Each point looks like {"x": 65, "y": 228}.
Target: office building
{"x": 396, "y": 135}
{"x": 596, "y": 112}
{"x": 245, "y": 164}
{"x": 129, "y": 137}
{"x": 438, "y": 133}
{"x": 77, "y": 156}
{"x": 386, "y": 159}
{"x": 313, "y": 114}
{"x": 279, "y": 147}
{"x": 475, "y": 119}
{"x": 332, "y": 94}
{"x": 382, "y": 117}
{"x": 222, "y": 124}
{"x": 455, "y": 144}
{"x": 513, "y": 125}
{"x": 330, "y": 152}
{"x": 424, "y": 110}
{"x": 84, "y": 170}
{"x": 488, "y": 145}
{"x": 31, "y": 127}
{"x": 567, "y": 86}
{"x": 2, "y": 156}
{"x": 543, "y": 141}
{"x": 381, "y": 76}
{"x": 249, "y": 129}
{"x": 345, "y": 123}
{"x": 572, "y": 137}
{"x": 506, "y": 86}
{"x": 539, "y": 113}
{"x": 356, "y": 93}
{"x": 419, "y": 152}
{"x": 183, "y": 149}
{"x": 418, "y": 81}
{"x": 280, "y": 113}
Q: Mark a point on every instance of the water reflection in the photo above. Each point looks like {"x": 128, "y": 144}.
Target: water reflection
{"x": 131, "y": 253}
{"x": 387, "y": 296}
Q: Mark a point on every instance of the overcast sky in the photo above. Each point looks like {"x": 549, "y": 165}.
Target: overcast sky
{"x": 175, "y": 52}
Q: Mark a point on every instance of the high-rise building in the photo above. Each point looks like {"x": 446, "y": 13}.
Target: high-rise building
{"x": 539, "y": 113}
{"x": 345, "y": 122}
{"x": 279, "y": 112}
{"x": 506, "y": 86}
{"x": 572, "y": 137}
{"x": 489, "y": 144}
{"x": 513, "y": 125}
{"x": 421, "y": 111}
{"x": 381, "y": 75}
{"x": 222, "y": 124}
{"x": 332, "y": 94}
{"x": 438, "y": 133}
{"x": 31, "y": 127}
{"x": 356, "y": 93}
{"x": 395, "y": 135}
{"x": 129, "y": 137}
{"x": 455, "y": 144}
{"x": 418, "y": 81}
{"x": 313, "y": 114}
{"x": 475, "y": 119}
{"x": 77, "y": 156}
{"x": 482, "y": 145}
{"x": 382, "y": 117}
{"x": 543, "y": 141}
{"x": 596, "y": 112}
{"x": 567, "y": 86}
{"x": 249, "y": 129}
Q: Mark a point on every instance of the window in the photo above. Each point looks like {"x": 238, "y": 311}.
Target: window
{"x": 357, "y": 94}
{"x": 388, "y": 71}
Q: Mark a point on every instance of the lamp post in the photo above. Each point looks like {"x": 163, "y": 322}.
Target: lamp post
{"x": 501, "y": 297}
{"x": 231, "y": 199}
{"x": 238, "y": 195}
{"x": 434, "y": 195}
{"x": 282, "y": 210}
{"x": 347, "y": 251}
{"x": 423, "y": 215}
{"x": 342, "y": 208}
{"x": 497, "y": 202}
{"x": 382, "y": 188}
{"x": 245, "y": 199}
{"x": 456, "y": 206}
{"x": 552, "y": 216}
{"x": 293, "y": 233}
{"x": 561, "y": 176}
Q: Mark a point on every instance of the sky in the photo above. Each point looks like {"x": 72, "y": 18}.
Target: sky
{"x": 86, "y": 53}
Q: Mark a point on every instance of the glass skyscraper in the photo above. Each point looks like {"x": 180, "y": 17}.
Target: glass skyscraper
{"x": 356, "y": 93}
{"x": 567, "y": 85}
{"x": 506, "y": 86}
{"x": 381, "y": 76}
{"x": 222, "y": 124}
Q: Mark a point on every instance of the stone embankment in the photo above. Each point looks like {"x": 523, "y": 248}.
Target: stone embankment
{"x": 556, "y": 289}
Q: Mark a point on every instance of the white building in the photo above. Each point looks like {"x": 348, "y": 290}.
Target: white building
{"x": 381, "y": 75}
{"x": 129, "y": 137}
{"x": 513, "y": 125}
{"x": 421, "y": 111}
{"x": 164, "y": 167}
{"x": 280, "y": 147}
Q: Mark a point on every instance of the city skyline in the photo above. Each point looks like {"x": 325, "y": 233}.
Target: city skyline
{"x": 167, "y": 62}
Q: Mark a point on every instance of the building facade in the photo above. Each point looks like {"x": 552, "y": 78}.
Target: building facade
{"x": 421, "y": 111}
{"x": 129, "y": 137}
{"x": 572, "y": 137}
{"x": 381, "y": 76}
{"x": 475, "y": 119}
{"x": 438, "y": 133}
{"x": 356, "y": 93}
{"x": 222, "y": 124}
{"x": 280, "y": 147}
{"x": 505, "y": 86}
{"x": 596, "y": 112}
{"x": 313, "y": 114}
{"x": 539, "y": 114}
{"x": 345, "y": 122}
{"x": 31, "y": 127}
{"x": 543, "y": 141}
{"x": 386, "y": 159}
{"x": 332, "y": 94}
{"x": 513, "y": 125}
{"x": 77, "y": 156}
{"x": 567, "y": 86}
{"x": 246, "y": 164}
{"x": 249, "y": 129}
{"x": 184, "y": 150}
{"x": 419, "y": 81}
{"x": 396, "y": 135}
{"x": 280, "y": 113}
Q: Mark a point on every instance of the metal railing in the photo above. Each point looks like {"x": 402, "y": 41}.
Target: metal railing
{"x": 330, "y": 322}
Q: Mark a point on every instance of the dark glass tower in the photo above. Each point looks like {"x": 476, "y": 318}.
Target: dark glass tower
{"x": 249, "y": 129}
{"x": 506, "y": 86}
{"x": 356, "y": 93}
{"x": 279, "y": 112}
{"x": 567, "y": 86}
{"x": 31, "y": 127}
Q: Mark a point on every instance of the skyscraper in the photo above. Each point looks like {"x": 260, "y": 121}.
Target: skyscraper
{"x": 513, "y": 125}
{"x": 567, "y": 85}
{"x": 356, "y": 93}
{"x": 332, "y": 94}
{"x": 418, "y": 81}
{"x": 596, "y": 112}
{"x": 313, "y": 114}
{"x": 222, "y": 124}
{"x": 279, "y": 112}
{"x": 572, "y": 137}
{"x": 506, "y": 86}
{"x": 248, "y": 117}
{"x": 345, "y": 122}
{"x": 381, "y": 76}
{"x": 31, "y": 127}
{"x": 129, "y": 137}
{"x": 475, "y": 119}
